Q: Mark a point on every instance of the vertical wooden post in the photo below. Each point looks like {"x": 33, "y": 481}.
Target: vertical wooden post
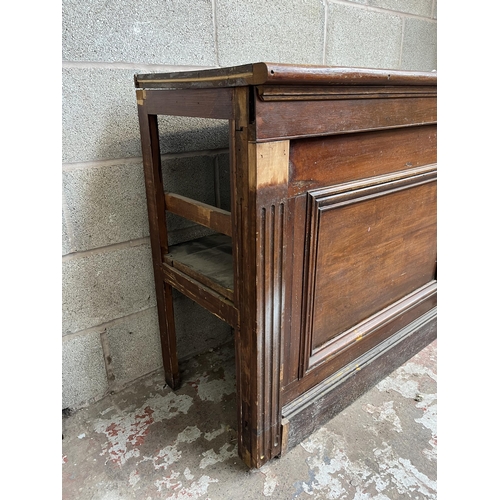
{"x": 158, "y": 234}
{"x": 261, "y": 192}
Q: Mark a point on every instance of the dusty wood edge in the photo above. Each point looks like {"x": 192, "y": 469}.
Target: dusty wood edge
{"x": 274, "y": 73}
{"x": 335, "y": 92}
{"x": 196, "y": 275}
{"x": 314, "y": 408}
{"x": 206, "y": 215}
{"x": 203, "y": 295}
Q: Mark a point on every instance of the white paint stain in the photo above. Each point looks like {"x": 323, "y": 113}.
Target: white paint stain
{"x": 81, "y": 436}
{"x": 189, "y": 434}
{"x": 210, "y": 457}
{"x": 133, "y": 478}
{"x": 167, "y": 455}
{"x": 404, "y": 475}
{"x": 170, "y": 454}
{"x": 187, "y": 474}
{"x": 196, "y": 489}
{"x": 271, "y": 480}
{"x": 333, "y": 474}
{"x": 405, "y": 381}
{"x": 214, "y": 390}
{"x": 429, "y": 420}
{"x": 209, "y": 436}
{"x": 169, "y": 482}
{"x": 127, "y": 432}
{"x": 383, "y": 413}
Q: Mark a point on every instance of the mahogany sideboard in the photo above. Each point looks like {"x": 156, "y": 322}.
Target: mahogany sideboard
{"x": 326, "y": 264}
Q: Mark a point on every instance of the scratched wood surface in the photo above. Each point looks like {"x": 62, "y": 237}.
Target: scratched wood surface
{"x": 332, "y": 255}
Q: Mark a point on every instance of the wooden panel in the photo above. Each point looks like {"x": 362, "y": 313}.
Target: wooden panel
{"x": 203, "y": 103}
{"x": 332, "y": 395}
{"x": 325, "y": 161}
{"x": 368, "y": 250}
{"x": 375, "y": 330}
{"x": 215, "y": 218}
{"x": 293, "y": 119}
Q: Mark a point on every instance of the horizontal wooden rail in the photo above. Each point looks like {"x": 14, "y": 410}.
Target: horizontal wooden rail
{"x": 215, "y": 218}
{"x": 201, "y": 294}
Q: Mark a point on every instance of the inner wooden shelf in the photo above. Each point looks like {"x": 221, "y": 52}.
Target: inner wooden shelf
{"x": 208, "y": 260}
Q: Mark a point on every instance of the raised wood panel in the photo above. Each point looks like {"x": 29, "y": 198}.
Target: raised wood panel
{"x": 373, "y": 331}
{"x": 325, "y": 161}
{"x": 370, "y": 244}
{"x": 278, "y": 120}
{"x": 312, "y": 408}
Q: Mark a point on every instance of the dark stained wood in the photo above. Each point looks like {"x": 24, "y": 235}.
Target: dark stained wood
{"x": 331, "y": 278}
{"x": 206, "y": 215}
{"x": 378, "y": 328}
{"x": 292, "y": 74}
{"x": 277, "y": 120}
{"x": 369, "y": 251}
{"x": 203, "y": 103}
{"x": 283, "y": 74}
{"x": 219, "y": 77}
{"x": 316, "y": 93}
{"x": 245, "y": 298}
{"x": 158, "y": 235}
{"x": 315, "y": 407}
{"x": 203, "y": 295}
{"x": 261, "y": 233}
{"x": 326, "y": 161}
{"x": 207, "y": 260}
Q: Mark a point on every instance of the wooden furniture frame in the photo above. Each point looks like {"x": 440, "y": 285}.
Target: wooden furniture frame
{"x": 326, "y": 264}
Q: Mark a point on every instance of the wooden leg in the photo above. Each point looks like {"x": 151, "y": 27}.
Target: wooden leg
{"x": 148, "y": 124}
{"x": 169, "y": 341}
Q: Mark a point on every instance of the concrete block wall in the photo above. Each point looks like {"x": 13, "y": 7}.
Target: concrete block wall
{"x": 110, "y": 329}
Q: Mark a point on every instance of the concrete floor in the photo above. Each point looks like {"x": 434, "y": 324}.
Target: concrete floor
{"x": 148, "y": 442}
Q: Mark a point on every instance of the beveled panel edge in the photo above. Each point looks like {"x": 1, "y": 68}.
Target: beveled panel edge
{"x": 332, "y": 395}
{"x": 328, "y": 198}
{"x": 369, "y": 326}
{"x": 332, "y": 196}
{"x": 324, "y": 93}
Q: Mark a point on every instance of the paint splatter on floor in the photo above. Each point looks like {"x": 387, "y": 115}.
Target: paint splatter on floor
{"x": 149, "y": 443}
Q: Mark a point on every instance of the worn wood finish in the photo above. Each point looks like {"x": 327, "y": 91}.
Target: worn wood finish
{"x": 278, "y": 120}
{"x": 327, "y": 161}
{"x": 283, "y": 74}
{"x": 203, "y": 295}
{"x": 333, "y": 394}
{"x": 261, "y": 185}
{"x": 207, "y": 260}
{"x": 158, "y": 235}
{"x": 206, "y": 215}
{"x": 368, "y": 247}
{"x": 329, "y": 277}
{"x": 203, "y": 103}
{"x": 316, "y": 93}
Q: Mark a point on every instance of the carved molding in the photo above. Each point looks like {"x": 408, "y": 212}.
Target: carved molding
{"x": 330, "y": 198}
